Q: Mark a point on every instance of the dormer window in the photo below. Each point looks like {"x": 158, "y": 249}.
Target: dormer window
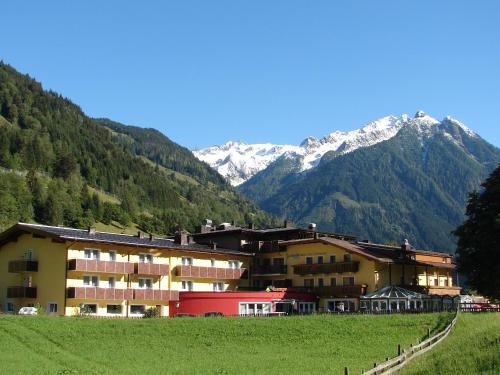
{"x": 146, "y": 258}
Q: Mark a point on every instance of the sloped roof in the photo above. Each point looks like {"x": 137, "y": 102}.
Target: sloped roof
{"x": 393, "y": 291}
{"x": 73, "y": 234}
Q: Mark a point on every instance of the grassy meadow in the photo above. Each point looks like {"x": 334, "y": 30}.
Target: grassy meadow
{"x": 281, "y": 345}
{"x": 473, "y": 347}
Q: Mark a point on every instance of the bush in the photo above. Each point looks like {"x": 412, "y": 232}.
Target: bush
{"x": 152, "y": 312}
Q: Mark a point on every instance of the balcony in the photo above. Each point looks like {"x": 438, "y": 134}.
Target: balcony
{"x": 435, "y": 289}
{"x": 155, "y": 295}
{"x": 100, "y": 293}
{"x": 270, "y": 269}
{"x": 264, "y": 247}
{"x": 340, "y": 267}
{"x": 94, "y": 265}
{"x": 151, "y": 269}
{"x": 21, "y": 292}
{"x": 23, "y": 266}
{"x": 340, "y": 290}
{"x": 211, "y": 272}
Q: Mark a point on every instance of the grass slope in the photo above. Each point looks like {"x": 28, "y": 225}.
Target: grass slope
{"x": 473, "y": 347}
{"x": 289, "y": 345}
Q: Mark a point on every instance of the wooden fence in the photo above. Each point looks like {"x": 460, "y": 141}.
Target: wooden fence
{"x": 390, "y": 366}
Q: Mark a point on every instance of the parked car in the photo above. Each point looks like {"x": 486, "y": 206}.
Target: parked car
{"x": 28, "y": 310}
{"x": 183, "y": 315}
{"x": 213, "y": 314}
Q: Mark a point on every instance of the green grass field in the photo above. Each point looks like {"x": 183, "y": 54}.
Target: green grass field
{"x": 473, "y": 347}
{"x": 321, "y": 344}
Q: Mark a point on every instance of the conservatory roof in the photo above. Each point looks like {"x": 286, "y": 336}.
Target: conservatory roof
{"x": 393, "y": 291}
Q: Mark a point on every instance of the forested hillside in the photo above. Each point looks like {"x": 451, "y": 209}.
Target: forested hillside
{"x": 58, "y": 166}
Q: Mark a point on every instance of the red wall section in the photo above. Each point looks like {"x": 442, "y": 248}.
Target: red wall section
{"x": 198, "y": 303}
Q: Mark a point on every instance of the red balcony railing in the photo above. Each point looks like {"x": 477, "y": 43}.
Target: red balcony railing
{"x": 156, "y": 295}
{"x": 100, "y": 293}
{"x": 271, "y": 269}
{"x": 151, "y": 269}
{"x": 21, "y": 292}
{"x": 23, "y": 266}
{"x": 94, "y": 265}
{"x": 340, "y": 267}
{"x": 211, "y": 272}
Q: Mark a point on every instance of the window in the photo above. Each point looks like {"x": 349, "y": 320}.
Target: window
{"x": 137, "y": 309}
{"x": 436, "y": 281}
{"x": 446, "y": 282}
{"x": 145, "y": 283}
{"x": 187, "y": 261}
{"x": 320, "y": 282}
{"x": 255, "y": 308}
{"x": 52, "y": 308}
{"x": 218, "y": 286}
{"x": 306, "y": 307}
{"x": 309, "y": 260}
{"x": 114, "y": 309}
{"x": 91, "y": 281}
{"x": 9, "y": 307}
{"x": 112, "y": 255}
{"x": 278, "y": 261}
{"x": 347, "y": 258}
{"x": 212, "y": 262}
{"x": 332, "y": 259}
{"x": 320, "y": 259}
{"x": 348, "y": 280}
{"x": 111, "y": 282}
{"x": 308, "y": 283}
{"x": 234, "y": 264}
{"x": 187, "y": 285}
{"x": 146, "y": 258}
{"x": 333, "y": 281}
{"x": 91, "y": 253}
{"x": 88, "y": 308}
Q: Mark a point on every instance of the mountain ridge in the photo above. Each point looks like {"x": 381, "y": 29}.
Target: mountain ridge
{"x": 239, "y": 161}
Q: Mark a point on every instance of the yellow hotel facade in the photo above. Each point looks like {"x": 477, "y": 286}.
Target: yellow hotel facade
{"x": 67, "y": 271}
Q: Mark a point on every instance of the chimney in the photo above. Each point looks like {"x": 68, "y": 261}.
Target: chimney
{"x": 140, "y": 235}
{"x": 288, "y": 224}
{"x": 251, "y": 226}
{"x": 316, "y": 235}
{"x": 92, "y": 231}
{"x": 213, "y": 245}
{"x": 405, "y": 248}
{"x": 206, "y": 226}
{"x": 312, "y": 226}
{"x": 151, "y": 238}
{"x": 181, "y": 238}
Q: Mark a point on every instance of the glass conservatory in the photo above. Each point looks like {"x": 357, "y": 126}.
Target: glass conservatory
{"x": 394, "y": 299}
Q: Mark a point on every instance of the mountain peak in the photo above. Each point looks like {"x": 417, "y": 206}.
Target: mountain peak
{"x": 238, "y": 161}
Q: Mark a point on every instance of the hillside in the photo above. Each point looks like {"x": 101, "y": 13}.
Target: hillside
{"x": 395, "y": 178}
{"x": 61, "y": 167}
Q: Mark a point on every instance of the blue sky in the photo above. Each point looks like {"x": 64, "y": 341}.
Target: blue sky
{"x": 204, "y": 72}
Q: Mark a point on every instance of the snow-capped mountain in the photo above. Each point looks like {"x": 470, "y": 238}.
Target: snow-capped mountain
{"x": 239, "y": 161}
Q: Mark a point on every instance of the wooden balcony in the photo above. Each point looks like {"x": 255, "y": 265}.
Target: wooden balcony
{"x": 151, "y": 269}
{"x": 211, "y": 272}
{"x": 435, "y": 289}
{"x": 21, "y": 292}
{"x": 340, "y": 291}
{"x": 155, "y": 295}
{"x": 339, "y": 267}
{"x": 100, "y": 293}
{"x": 271, "y": 269}
{"x": 23, "y": 266}
{"x": 264, "y": 247}
{"x": 101, "y": 266}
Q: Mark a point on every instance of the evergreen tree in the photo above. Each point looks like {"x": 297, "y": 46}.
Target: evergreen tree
{"x": 479, "y": 238}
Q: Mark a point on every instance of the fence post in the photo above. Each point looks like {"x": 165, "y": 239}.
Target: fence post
{"x": 428, "y": 332}
{"x": 399, "y": 350}
{"x": 346, "y": 370}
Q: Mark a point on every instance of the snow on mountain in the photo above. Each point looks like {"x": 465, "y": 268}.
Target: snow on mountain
{"x": 239, "y": 161}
